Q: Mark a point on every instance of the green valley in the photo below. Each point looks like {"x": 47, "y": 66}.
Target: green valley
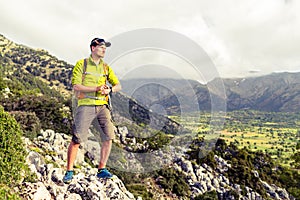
{"x": 274, "y": 133}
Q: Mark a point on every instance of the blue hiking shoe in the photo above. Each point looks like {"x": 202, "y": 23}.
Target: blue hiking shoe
{"x": 104, "y": 173}
{"x": 68, "y": 176}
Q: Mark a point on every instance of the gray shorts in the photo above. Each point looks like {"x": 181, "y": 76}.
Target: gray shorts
{"x": 85, "y": 115}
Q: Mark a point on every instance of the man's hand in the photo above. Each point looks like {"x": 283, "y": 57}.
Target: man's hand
{"x": 104, "y": 89}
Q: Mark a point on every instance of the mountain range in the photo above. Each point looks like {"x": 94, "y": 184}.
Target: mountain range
{"x": 275, "y": 92}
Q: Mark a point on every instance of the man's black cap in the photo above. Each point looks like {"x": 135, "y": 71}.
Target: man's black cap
{"x": 99, "y": 41}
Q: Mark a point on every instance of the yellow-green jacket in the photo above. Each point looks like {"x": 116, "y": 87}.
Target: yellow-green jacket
{"x": 95, "y": 75}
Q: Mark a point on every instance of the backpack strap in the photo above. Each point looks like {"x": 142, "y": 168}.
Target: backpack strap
{"x": 78, "y": 94}
{"x": 84, "y": 69}
{"x": 105, "y": 70}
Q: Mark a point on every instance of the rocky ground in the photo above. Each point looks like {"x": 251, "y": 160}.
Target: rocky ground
{"x": 47, "y": 159}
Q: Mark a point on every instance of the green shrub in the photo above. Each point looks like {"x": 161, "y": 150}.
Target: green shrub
{"x": 155, "y": 139}
{"x": 211, "y": 195}
{"x": 296, "y": 158}
{"x": 12, "y": 152}
{"x": 6, "y": 193}
{"x": 294, "y": 191}
{"x": 50, "y": 111}
{"x": 2, "y": 83}
{"x": 133, "y": 182}
{"x": 201, "y": 153}
{"x": 169, "y": 179}
{"x": 13, "y": 167}
{"x": 158, "y": 140}
{"x": 139, "y": 190}
{"x": 173, "y": 181}
{"x": 30, "y": 123}
{"x": 21, "y": 83}
{"x": 290, "y": 179}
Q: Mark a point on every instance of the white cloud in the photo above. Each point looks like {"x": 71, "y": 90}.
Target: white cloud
{"x": 259, "y": 34}
{"x": 240, "y": 36}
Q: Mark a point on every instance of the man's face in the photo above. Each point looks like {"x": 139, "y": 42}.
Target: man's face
{"x": 99, "y": 50}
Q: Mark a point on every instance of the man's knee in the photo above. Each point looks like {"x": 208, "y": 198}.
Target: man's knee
{"x": 76, "y": 139}
{"x": 74, "y": 145}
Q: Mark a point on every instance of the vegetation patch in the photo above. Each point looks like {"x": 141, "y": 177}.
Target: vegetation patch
{"x": 12, "y": 153}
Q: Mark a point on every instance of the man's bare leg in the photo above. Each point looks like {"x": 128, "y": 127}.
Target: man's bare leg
{"x": 105, "y": 151}
{"x": 72, "y": 152}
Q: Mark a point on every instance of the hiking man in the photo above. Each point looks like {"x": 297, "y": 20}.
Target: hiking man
{"x": 89, "y": 79}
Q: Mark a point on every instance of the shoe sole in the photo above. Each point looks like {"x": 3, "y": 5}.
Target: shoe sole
{"x": 67, "y": 182}
{"x": 106, "y": 177}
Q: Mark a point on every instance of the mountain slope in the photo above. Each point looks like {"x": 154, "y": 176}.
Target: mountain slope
{"x": 54, "y": 72}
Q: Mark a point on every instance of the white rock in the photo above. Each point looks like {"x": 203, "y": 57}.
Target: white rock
{"x": 73, "y": 196}
{"x": 41, "y": 192}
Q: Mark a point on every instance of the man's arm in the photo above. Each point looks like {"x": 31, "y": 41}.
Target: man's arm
{"x": 82, "y": 88}
{"x": 104, "y": 89}
{"x": 116, "y": 88}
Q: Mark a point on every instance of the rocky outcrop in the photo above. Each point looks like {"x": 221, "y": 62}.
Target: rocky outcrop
{"x": 47, "y": 158}
{"x": 85, "y": 185}
{"x": 202, "y": 179}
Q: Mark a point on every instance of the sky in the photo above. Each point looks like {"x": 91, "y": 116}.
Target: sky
{"x": 240, "y": 37}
